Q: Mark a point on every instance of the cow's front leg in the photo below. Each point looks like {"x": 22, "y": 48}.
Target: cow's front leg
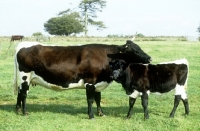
{"x": 97, "y": 97}
{"x": 90, "y": 91}
{"x": 144, "y": 98}
{"x": 131, "y": 104}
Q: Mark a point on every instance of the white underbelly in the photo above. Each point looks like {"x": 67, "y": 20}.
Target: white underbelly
{"x": 80, "y": 85}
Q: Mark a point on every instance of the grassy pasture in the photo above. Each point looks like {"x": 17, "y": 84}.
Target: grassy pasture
{"x": 67, "y": 110}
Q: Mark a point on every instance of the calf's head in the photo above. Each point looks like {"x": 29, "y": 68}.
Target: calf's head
{"x": 117, "y": 70}
{"x": 120, "y": 72}
{"x": 133, "y": 53}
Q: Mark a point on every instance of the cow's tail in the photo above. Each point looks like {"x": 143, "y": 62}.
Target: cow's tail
{"x": 187, "y": 63}
{"x": 15, "y": 87}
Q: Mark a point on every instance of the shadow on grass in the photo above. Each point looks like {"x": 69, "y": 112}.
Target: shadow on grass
{"x": 112, "y": 111}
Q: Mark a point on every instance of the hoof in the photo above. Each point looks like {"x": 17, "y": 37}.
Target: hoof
{"x": 92, "y": 118}
{"x": 185, "y": 115}
{"x": 101, "y": 114}
{"x": 18, "y": 111}
{"x": 127, "y": 118}
{"x": 25, "y": 114}
{"x": 145, "y": 119}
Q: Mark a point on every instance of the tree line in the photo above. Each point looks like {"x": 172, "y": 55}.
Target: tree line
{"x": 70, "y": 22}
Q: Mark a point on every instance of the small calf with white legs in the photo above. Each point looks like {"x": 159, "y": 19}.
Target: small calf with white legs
{"x": 141, "y": 79}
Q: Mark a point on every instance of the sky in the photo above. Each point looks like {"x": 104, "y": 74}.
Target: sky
{"x": 121, "y": 17}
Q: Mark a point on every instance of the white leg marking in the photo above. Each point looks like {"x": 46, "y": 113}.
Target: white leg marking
{"x": 180, "y": 90}
{"x": 79, "y": 84}
{"x": 101, "y": 86}
{"x": 148, "y": 92}
{"x": 135, "y": 94}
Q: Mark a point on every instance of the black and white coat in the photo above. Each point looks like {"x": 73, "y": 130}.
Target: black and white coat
{"x": 63, "y": 68}
{"x": 141, "y": 79}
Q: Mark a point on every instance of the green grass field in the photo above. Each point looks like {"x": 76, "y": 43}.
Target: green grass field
{"x": 67, "y": 111}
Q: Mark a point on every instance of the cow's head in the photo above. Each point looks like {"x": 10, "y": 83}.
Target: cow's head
{"x": 133, "y": 53}
{"x": 117, "y": 68}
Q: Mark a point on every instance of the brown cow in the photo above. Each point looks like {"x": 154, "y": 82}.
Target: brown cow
{"x": 16, "y": 37}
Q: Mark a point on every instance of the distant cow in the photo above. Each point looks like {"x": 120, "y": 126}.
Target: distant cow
{"x": 16, "y": 37}
{"x": 141, "y": 79}
{"x": 70, "y": 67}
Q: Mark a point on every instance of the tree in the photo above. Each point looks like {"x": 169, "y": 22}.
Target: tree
{"x": 140, "y": 35}
{"x": 65, "y": 24}
{"x": 89, "y": 9}
{"x": 37, "y": 34}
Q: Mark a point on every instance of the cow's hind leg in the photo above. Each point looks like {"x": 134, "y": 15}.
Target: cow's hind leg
{"x": 186, "y": 105}
{"x": 97, "y": 97}
{"x": 176, "y": 103}
{"x": 90, "y": 90}
{"x": 185, "y": 101}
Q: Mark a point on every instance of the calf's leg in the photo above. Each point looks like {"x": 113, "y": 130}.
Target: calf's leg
{"x": 144, "y": 98}
{"x": 131, "y": 104}
{"x": 185, "y": 102}
{"x": 176, "y": 103}
{"x": 186, "y": 105}
{"x": 97, "y": 98}
{"x": 90, "y": 91}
